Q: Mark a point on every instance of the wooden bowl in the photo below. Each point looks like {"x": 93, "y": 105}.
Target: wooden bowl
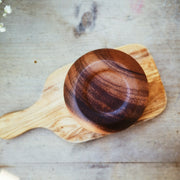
{"x": 106, "y": 90}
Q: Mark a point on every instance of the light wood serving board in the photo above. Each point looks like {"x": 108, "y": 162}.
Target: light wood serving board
{"x": 50, "y": 110}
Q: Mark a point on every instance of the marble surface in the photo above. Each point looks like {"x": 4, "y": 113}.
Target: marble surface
{"x": 44, "y": 35}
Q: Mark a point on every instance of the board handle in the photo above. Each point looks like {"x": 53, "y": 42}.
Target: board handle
{"x": 41, "y": 114}
{"x": 14, "y": 124}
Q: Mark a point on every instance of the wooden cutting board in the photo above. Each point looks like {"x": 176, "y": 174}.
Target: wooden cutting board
{"x": 50, "y": 110}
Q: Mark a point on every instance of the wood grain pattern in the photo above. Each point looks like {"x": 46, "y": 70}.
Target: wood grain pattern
{"x": 106, "y": 91}
{"x": 157, "y": 96}
{"x": 50, "y": 110}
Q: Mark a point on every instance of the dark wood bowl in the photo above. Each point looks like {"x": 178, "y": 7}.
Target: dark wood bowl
{"x": 106, "y": 90}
